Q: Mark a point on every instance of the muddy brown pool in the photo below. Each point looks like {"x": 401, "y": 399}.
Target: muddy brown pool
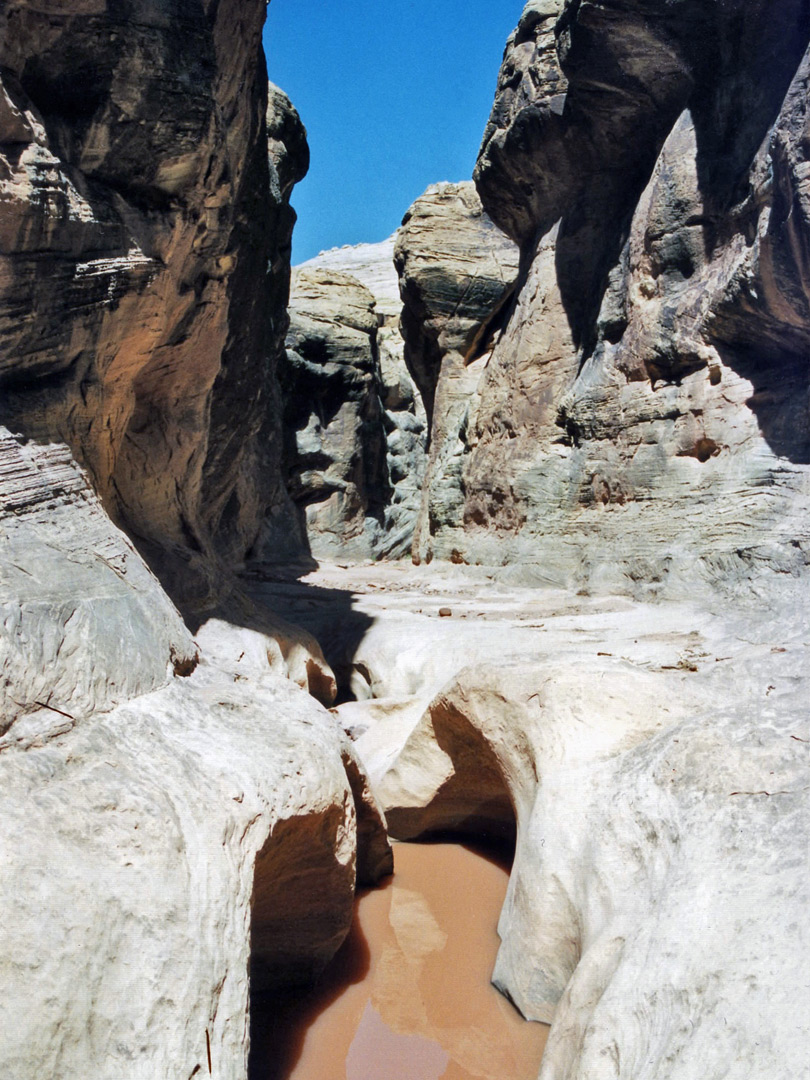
{"x": 408, "y": 996}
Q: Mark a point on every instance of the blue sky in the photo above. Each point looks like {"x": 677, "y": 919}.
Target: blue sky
{"x": 394, "y": 94}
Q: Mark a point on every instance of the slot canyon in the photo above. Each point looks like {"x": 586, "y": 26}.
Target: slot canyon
{"x": 404, "y": 655}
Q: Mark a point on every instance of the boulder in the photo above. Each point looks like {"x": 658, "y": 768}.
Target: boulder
{"x": 161, "y": 859}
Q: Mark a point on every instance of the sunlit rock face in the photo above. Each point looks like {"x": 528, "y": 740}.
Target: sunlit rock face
{"x": 167, "y": 801}
{"x": 457, "y": 272}
{"x": 158, "y": 855}
{"x": 654, "y": 759}
{"x": 144, "y": 263}
{"x": 84, "y": 625}
{"x": 355, "y": 428}
{"x": 660, "y": 869}
{"x": 644, "y": 414}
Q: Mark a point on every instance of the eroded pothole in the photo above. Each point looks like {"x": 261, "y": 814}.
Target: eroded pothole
{"x": 408, "y": 996}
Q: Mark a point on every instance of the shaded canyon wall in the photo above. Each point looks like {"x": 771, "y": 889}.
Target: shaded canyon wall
{"x": 145, "y": 259}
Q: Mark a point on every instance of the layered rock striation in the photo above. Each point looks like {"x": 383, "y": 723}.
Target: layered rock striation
{"x": 138, "y": 322}
{"x": 333, "y": 411}
{"x": 610, "y": 346}
{"x": 643, "y": 416}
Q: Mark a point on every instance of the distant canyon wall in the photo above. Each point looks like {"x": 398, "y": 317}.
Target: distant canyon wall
{"x": 644, "y": 416}
{"x": 457, "y": 273}
{"x": 354, "y": 424}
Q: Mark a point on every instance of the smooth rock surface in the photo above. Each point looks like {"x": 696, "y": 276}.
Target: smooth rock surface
{"x": 180, "y": 819}
{"x": 652, "y": 760}
{"x": 175, "y": 806}
{"x": 84, "y": 624}
{"x": 149, "y": 854}
{"x": 706, "y": 842}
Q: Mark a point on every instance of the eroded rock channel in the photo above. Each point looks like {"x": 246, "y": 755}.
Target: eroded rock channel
{"x": 482, "y": 702}
{"x": 573, "y": 390}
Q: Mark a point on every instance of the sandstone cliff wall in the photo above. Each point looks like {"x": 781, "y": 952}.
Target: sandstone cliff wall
{"x": 138, "y": 322}
{"x": 643, "y": 418}
{"x": 158, "y": 789}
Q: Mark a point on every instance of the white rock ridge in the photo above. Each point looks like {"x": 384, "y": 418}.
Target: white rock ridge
{"x": 167, "y": 804}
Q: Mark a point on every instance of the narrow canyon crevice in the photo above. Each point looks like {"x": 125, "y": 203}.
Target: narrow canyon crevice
{"x": 499, "y": 526}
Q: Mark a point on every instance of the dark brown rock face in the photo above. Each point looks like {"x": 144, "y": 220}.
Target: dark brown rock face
{"x": 457, "y": 272}
{"x": 645, "y": 412}
{"x": 138, "y": 323}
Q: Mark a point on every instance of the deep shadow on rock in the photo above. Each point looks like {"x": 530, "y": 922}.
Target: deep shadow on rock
{"x": 473, "y": 799}
{"x": 276, "y": 1042}
{"x": 779, "y": 398}
{"x": 268, "y": 639}
{"x": 328, "y": 615}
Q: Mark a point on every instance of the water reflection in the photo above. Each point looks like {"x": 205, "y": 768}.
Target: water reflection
{"x": 408, "y": 996}
{"x": 378, "y": 1053}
